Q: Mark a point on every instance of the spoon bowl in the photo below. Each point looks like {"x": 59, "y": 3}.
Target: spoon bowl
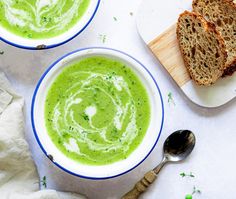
{"x": 179, "y": 145}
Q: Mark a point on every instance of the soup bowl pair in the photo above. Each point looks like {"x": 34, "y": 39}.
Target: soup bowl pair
{"x": 43, "y": 138}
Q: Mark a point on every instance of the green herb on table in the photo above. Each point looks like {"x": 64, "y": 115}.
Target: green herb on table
{"x": 195, "y": 191}
{"x": 187, "y": 175}
{"x": 1, "y": 52}
{"x": 170, "y": 98}
{"x": 131, "y": 13}
{"x": 103, "y": 38}
{"x": 43, "y": 182}
{"x": 115, "y": 19}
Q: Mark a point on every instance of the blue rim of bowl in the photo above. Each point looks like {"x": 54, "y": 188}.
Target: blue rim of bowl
{"x": 32, "y": 113}
{"x": 57, "y": 44}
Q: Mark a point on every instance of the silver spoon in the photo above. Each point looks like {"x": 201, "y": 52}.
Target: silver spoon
{"x": 176, "y": 148}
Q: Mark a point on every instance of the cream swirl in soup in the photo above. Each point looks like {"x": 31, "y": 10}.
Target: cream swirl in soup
{"x": 97, "y": 111}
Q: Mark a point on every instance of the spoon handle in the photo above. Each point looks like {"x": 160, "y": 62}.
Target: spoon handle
{"x": 141, "y": 186}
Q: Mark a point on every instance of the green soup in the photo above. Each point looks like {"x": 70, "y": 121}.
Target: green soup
{"x": 97, "y": 111}
{"x": 38, "y": 19}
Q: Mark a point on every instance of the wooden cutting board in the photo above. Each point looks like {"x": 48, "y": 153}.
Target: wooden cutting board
{"x": 156, "y": 22}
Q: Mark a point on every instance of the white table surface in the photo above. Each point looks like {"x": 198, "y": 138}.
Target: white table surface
{"x": 213, "y": 161}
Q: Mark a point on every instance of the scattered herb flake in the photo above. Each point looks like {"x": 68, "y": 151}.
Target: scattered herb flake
{"x": 187, "y": 175}
{"x": 170, "y": 98}
{"x": 115, "y": 19}
{"x": 43, "y": 182}
{"x": 195, "y": 190}
{"x": 30, "y": 35}
{"x": 131, "y": 13}
{"x": 103, "y": 38}
{"x": 1, "y": 52}
{"x": 86, "y": 117}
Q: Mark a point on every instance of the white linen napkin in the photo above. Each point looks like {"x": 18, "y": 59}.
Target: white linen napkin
{"x": 18, "y": 174}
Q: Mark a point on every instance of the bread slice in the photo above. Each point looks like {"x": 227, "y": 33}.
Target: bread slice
{"x": 223, "y": 14}
{"x": 202, "y": 47}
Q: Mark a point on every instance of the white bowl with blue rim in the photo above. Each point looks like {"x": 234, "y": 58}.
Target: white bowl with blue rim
{"x": 34, "y": 44}
{"x": 105, "y": 171}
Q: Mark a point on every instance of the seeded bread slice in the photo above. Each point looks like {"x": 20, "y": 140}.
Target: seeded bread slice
{"x": 202, "y": 47}
{"x": 223, "y": 14}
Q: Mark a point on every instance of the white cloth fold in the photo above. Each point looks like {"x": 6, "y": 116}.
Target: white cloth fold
{"x": 18, "y": 174}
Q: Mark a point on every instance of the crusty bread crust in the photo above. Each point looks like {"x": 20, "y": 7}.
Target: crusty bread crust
{"x": 227, "y": 5}
{"x": 210, "y": 28}
{"x": 229, "y": 71}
